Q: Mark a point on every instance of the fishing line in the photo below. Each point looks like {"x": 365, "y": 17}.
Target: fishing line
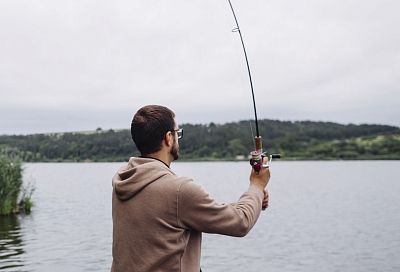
{"x": 252, "y": 133}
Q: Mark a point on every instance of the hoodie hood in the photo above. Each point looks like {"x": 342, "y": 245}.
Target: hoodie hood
{"x": 136, "y": 175}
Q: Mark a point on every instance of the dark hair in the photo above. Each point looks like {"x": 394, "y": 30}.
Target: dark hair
{"x": 149, "y": 126}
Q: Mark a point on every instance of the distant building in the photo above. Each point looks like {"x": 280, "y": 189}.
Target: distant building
{"x": 240, "y": 157}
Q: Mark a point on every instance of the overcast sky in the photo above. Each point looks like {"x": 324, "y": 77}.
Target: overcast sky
{"x": 81, "y": 64}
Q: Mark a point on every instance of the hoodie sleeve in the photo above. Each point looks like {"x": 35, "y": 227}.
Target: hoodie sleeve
{"x": 197, "y": 210}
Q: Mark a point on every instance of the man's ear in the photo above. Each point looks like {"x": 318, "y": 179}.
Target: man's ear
{"x": 169, "y": 139}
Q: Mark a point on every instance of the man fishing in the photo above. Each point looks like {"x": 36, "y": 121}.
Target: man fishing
{"x": 158, "y": 216}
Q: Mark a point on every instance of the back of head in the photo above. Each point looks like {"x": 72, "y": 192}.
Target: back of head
{"x": 149, "y": 126}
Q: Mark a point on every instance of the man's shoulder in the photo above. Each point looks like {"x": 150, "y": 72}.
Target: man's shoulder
{"x": 178, "y": 180}
{"x": 181, "y": 184}
{"x": 186, "y": 186}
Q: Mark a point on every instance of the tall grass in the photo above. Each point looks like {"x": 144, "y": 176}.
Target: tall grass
{"x": 14, "y": 197}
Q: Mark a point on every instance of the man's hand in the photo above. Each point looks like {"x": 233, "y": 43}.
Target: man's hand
{"x": 265, "y": 200}
{"x": 261, "y": 178}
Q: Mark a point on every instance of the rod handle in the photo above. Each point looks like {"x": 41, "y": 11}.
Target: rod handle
{"x": 258, "y": 143}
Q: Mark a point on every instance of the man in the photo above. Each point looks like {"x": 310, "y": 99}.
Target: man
{"x": 158, "y": 217}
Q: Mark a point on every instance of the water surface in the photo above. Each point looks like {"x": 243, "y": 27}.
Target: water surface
{"x": 323, "y": 216}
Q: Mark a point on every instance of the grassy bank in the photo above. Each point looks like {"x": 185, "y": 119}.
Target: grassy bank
{"x": 14, "y": 198}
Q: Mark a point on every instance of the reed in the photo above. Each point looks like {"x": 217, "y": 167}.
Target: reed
{"x": 14, "y": 198}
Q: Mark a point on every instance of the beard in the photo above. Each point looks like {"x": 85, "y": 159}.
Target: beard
{"x": 175, "y": 151}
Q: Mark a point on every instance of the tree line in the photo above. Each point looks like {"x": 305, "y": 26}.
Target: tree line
{"x": 229, "y": 141}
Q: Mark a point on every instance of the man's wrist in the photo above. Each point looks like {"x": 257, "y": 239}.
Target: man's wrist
{"x": 258, "y": 185}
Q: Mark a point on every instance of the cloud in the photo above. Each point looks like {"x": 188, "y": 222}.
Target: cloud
{"x": 330, "y": 60}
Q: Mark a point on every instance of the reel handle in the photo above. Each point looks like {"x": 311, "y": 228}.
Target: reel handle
{"x": 275, "y": 156}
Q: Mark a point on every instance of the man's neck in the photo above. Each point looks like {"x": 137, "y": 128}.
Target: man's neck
{"x": 161, "y": 156}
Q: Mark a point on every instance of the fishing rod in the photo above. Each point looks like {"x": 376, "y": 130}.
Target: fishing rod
{"x": 257, "y": 154}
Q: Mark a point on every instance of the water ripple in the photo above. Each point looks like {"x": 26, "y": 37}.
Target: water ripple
{"x": 11, "y": 244}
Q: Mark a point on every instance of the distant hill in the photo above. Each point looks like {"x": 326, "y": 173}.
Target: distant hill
{"x": 301, "y": 140}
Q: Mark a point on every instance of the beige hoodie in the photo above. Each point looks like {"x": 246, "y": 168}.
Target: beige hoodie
{"x": 158, "y": 218}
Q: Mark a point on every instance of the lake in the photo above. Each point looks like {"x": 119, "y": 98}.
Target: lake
{"x": 323, "y": 216}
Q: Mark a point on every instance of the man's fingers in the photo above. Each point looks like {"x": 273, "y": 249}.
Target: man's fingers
{"x": 265, "y": 202}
